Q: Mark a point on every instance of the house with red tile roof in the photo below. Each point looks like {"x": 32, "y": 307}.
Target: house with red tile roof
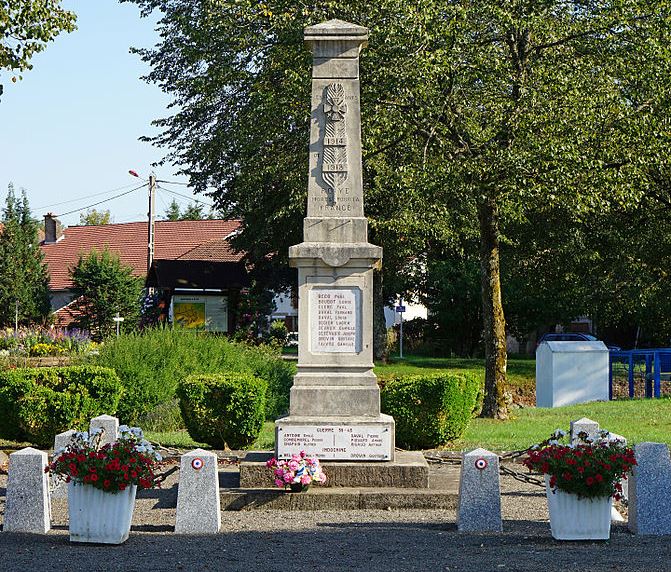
{"x": 194, "y": 264}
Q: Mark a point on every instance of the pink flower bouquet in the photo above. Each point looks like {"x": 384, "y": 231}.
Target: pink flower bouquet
{"x": 299, "y": 472}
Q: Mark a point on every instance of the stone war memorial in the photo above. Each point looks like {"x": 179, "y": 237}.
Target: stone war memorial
{"x": 335, "y": 401}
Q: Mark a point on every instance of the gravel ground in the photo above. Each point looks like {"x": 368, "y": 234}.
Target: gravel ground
{"x": 333, "y": 541}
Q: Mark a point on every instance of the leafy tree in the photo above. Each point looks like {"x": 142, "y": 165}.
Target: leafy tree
{"x": 26, "y": 26}
{"x": 94, "y": 217}
{"x": 103, "y": 287}
{"x": 23, "y": 275}
{"x": 474, "y": 112}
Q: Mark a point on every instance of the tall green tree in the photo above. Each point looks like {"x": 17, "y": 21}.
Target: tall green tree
{"x": 26, "y": 26}
{"x": 172, "y": 212}
{"x": 103, "y": 287}
{"x": 473, "y": 112}
{"x": 24, "y": 282}
{"x": 193, "y": 211}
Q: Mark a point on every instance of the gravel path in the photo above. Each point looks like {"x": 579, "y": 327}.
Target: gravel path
{"x": 334, "y": 541}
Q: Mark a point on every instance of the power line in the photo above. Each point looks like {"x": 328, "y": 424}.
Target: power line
{"x": 83, "y": 198}
{"x": 171, "y": 182}
{"x": 185, "y": 197}
{"x": 104, "y": 201}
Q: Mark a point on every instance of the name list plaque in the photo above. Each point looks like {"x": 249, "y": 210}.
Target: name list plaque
{"x": 351, "y": 442}
{"x": 335, "y": 320}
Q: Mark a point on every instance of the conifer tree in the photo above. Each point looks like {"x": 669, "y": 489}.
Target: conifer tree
{"x": 24, "y": 282}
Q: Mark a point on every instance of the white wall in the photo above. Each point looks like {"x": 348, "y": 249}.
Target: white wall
{"x": 412, "y": 310}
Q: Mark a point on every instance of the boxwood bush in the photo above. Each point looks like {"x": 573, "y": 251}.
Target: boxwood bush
{"x": 430, "y": 410}
{"x": 151, "y": 364}
{"x": 38, "y": 403}
{"x": 223, "y": 409}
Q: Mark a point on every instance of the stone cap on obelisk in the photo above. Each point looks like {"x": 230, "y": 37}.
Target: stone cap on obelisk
{"x": 335, "y": 229}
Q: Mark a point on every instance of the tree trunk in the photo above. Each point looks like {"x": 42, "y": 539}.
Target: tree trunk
{"x": 380, "y": 352}
{"x": 494, "y": 323}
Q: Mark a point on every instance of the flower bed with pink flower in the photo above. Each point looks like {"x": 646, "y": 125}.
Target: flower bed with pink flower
{"x": 299, "y": 470}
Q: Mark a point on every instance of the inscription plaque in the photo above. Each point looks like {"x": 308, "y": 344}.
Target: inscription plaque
{"x": 335, "y": 320}
{"x": 351, "y": 442}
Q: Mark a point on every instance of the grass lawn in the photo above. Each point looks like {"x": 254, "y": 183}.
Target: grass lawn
{"x": 521, "y": 372}
{"x": 637, "y": 420}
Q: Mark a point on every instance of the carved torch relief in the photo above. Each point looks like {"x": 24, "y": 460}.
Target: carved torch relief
{"x": 334, "y": 157}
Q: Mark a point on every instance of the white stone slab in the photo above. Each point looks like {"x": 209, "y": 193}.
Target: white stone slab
{"x": 336, "y": 442}
{"x": 335, "y": 320}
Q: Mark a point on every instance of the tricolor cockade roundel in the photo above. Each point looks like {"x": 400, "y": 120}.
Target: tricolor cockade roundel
{"x": 481, "y": 464}
{"x": 197, "y": 463}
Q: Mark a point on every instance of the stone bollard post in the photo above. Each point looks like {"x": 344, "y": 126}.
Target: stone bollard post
{"x": 592, "y": 429}
{"x": 59, "y": 490}
{"x": 479, "y": 493}
{"x": 649, "y": 490}
{"x": 584, "y": 425}
{"x": 109, "y": 425}
{"x": 198, "y": 503}
{"x": 27, "y": 507}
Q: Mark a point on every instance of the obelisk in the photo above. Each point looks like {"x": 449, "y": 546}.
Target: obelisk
{"x": 335, "y": 401}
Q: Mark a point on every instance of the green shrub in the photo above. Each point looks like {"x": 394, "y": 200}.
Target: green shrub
{"x": 430, "y": 410}
{"x": 223, "y": 409}
{"x": 38, "y": 403}
{"x": 278, "y": 332}
{"x": 151, "y": 364}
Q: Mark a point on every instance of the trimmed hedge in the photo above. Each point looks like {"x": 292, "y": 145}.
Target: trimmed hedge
{"x": 223, "y": 409}
{"x": 151, "y": 364}
{"x": 430, "y": 410}
{"x": 38, "y": 403}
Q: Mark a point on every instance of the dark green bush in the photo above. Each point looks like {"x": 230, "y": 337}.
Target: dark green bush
{"x": 151, "y": 363}
{"x": 430, "y": 410}
{"x": 223, "y": 409}
{"x": 38, "y": 403}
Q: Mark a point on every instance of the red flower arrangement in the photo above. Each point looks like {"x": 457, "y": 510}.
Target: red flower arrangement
{"x": 589, "y": 469}
{"x": 129, "y": 461}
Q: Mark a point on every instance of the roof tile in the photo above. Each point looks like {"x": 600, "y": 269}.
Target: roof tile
{"x": 173, "y": 240}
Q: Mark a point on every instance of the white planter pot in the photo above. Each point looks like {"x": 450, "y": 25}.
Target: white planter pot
{"x": 574, "y": 518}
{"x": 100, "y": 517}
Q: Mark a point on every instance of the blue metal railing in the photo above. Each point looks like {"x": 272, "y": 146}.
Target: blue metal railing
{"x": 652, "y": 363}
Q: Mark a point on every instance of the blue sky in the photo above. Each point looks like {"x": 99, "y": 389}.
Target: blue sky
{"x": 70, "y": 128}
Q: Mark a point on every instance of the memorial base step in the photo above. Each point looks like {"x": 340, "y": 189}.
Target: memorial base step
{"x": 408, "y": 470}
{"x": 344, "y": 498}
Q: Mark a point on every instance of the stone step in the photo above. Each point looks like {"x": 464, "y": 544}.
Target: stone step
{"x": 409, "y": 470}
{"x": 341, "y": 498}
{"x": 439, "y": 490}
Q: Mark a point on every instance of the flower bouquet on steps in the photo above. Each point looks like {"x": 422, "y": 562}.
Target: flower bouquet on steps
{"x": 102, "y": 482}
{"x": 581, "y": 481}
{"x": 298, "y": 473}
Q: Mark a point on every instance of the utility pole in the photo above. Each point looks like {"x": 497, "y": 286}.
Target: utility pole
{"x": 401, "y": 338}
{"x": 16, "y": 318}
{"x": 150, "y": 214}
